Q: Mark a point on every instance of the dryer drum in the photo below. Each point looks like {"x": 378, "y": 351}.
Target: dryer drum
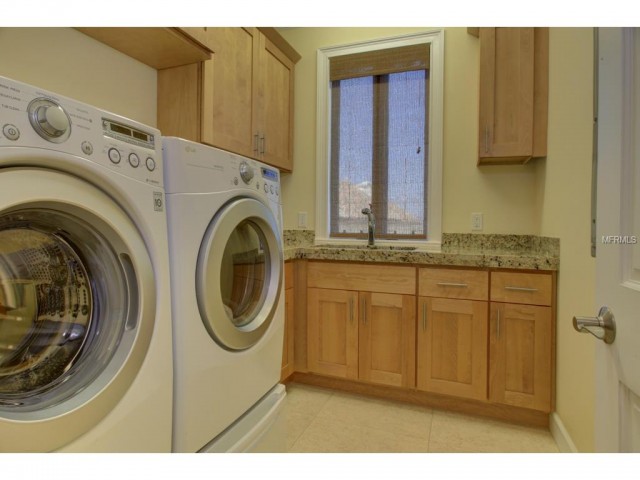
{"x": 50, "y": 305}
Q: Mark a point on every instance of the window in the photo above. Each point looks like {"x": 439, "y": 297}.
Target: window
{"x": 379, "y": 139}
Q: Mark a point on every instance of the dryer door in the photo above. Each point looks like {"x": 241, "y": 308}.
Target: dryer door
{"x": 239, "y": 273}
{"x": 77, "y": 307}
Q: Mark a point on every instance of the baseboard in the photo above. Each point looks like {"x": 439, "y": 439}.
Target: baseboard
{"x": 561, "y": 435}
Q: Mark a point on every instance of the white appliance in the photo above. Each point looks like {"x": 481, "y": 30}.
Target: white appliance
{"x": 225, "y": 240}
{"x": 85, "y": 322}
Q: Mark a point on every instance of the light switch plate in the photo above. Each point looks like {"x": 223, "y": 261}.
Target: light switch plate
{"x": 302, "y": 219}
{"x": 476, "y": 221}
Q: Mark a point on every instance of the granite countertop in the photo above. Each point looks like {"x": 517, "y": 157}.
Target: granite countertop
{"x": 528, "y": 252}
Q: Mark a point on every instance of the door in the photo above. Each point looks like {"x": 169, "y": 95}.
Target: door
{"x": 452, "y": 347}
{"x": 617, "y": 424}
{"x": 332, "y": 330}
{"x": 387, "y": 339}
{"x": 239, "y": 273}
{"x": 77, "y": 307}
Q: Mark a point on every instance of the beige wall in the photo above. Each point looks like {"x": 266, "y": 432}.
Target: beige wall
{"x": 547, "y": 197}
{"x": 565, "y": 212}
{"x": 69, "y": 63}
{"x": 506, "y": 195}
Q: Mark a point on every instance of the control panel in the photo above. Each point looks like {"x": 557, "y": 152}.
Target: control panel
{"x": 263, "y": 179}
{"x": 31, "y": 117}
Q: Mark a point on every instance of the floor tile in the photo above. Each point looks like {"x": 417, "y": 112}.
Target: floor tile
{"x": 452, "y": 433}
{"x": 379, "y": 414}
{"x": 306, "y": 399}
{"x": 336, "y": 436}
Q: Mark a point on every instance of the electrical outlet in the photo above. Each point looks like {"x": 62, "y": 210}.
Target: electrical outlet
{"x": 476, "y": 221}
{"x": 302, "y": 219}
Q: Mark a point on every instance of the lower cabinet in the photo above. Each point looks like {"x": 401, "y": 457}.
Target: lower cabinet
{"x": 484, "y": 335}
{"x": 287, "y": 345}
{"x": 452, "y": 332}
{"x": 365, "y": 336}
{"x": 452, "y": 347}
{"x": 520, "y": 355}
{"x": 364, "y": 333}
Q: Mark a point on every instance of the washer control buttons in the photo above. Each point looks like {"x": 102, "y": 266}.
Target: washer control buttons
{"x": 246, "y": 172}
{"x": 11, "y": 132}
{"x": 266, "y": 188}
{"x": 114, "y": 155}
{"x": 271, "y": 188}
{"x": 151, "y": 164}
{"x": 87, "y": 148}
{"x": 49, "y": 120}
{"x": 134, "y": 160}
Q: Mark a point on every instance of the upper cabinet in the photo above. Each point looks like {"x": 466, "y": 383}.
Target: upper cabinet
{"x": 514, "y": 90}
{"x": 157, "y": 47}
{"x": 241, "y": 100}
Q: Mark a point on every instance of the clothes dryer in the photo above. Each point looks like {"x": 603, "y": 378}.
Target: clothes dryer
{"x": 85, "y": 319}
{"x": 225, "y": 239}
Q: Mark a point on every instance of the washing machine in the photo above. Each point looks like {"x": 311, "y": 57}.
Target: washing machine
{"x": 85, "y": 315}
{"x": 225, "y": 242}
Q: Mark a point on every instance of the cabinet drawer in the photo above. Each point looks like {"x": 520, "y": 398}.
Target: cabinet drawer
{"x": 450, "y": 283}
{"x": 529, "y": 288}
{"x": 369, "y": 278}
{"x": 288, "y": 275}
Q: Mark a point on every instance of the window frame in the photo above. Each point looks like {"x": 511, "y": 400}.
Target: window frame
{"x": 435, "y": 39}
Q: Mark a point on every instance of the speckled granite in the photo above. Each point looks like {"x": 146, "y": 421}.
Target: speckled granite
{"x": 298, "y": 238}
{"x": 468, "y": 250}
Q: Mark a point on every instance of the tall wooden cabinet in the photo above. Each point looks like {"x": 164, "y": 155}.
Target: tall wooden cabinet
{"x": 514, "y": 84}
{"x": 241, "y": 100}
{"x": 289, "y": 318}
{"x": 355, "y": 332}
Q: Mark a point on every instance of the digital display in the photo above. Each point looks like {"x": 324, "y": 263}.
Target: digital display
{"x": 120, "y": 129}
{"x": 270, "y": 174}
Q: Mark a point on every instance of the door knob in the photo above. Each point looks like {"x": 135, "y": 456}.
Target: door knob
{"x": 602, "y": 327}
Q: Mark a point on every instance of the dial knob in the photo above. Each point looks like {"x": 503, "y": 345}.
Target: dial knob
{"x": 49, "y": 120}
{"x": 246, "y": 172}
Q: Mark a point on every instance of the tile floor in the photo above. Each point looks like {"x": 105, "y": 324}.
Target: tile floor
{"x": 320, "y": 420}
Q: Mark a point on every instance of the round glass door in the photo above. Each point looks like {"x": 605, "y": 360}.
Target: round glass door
{"x": 60, "y": 280}
{"x": 239, "y": 273}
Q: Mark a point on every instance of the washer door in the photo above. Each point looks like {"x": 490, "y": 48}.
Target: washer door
{"x": 239, "y": 273}
{"x": 77, "y": 307}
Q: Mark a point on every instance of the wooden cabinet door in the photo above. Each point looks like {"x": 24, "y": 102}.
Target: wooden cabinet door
{"x": 506, "y": 94}
{"x": 387, "y": 339}
{"x": 332, "y": 329}
{"x": 452, "y": 347}
{"x": 287, "y": 346}
{"x": 275, "y": 106}
{"x": 520, "y": 355}
{"x": 228, "y": 90}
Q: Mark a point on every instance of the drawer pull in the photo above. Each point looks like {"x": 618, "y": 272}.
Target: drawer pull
{"x": 451, "y": 284}
{"x": 521, "y": 289}
{"x": 424, "y": 316}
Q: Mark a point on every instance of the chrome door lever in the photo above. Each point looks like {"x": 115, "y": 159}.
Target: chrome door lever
{"x": 603, "y": 327}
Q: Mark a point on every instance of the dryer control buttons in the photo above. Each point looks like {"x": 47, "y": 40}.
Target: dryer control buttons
{"x": 134, "y": 160}
{"x": 11, "y": 132}
{"x": 114, "y": 155}
{"x": 49, "y": 120}
{"x": 87, "y": 148}
{"x": 151, "y": 164}
{"x": 246, "y": 172}
{"x": 266, "y": 188}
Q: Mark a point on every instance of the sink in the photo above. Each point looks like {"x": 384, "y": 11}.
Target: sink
{"x": 366, "y": 247}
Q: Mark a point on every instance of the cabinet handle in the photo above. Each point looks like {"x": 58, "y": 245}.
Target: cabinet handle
{"x": 364, "y": 311}
{"x": 498, "y": 326}
{"x": 255, "y": 142}
{"x": 351, "y": 310}
{"x": 263, "y": 144}
{"x": 424, "y": 316}
{"x": 450, "y": 284}
{"x": 486, "y": 139}
{"x": 521, "y": 289}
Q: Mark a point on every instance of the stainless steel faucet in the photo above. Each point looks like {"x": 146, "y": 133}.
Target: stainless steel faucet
{"x": 372, "y": 225}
